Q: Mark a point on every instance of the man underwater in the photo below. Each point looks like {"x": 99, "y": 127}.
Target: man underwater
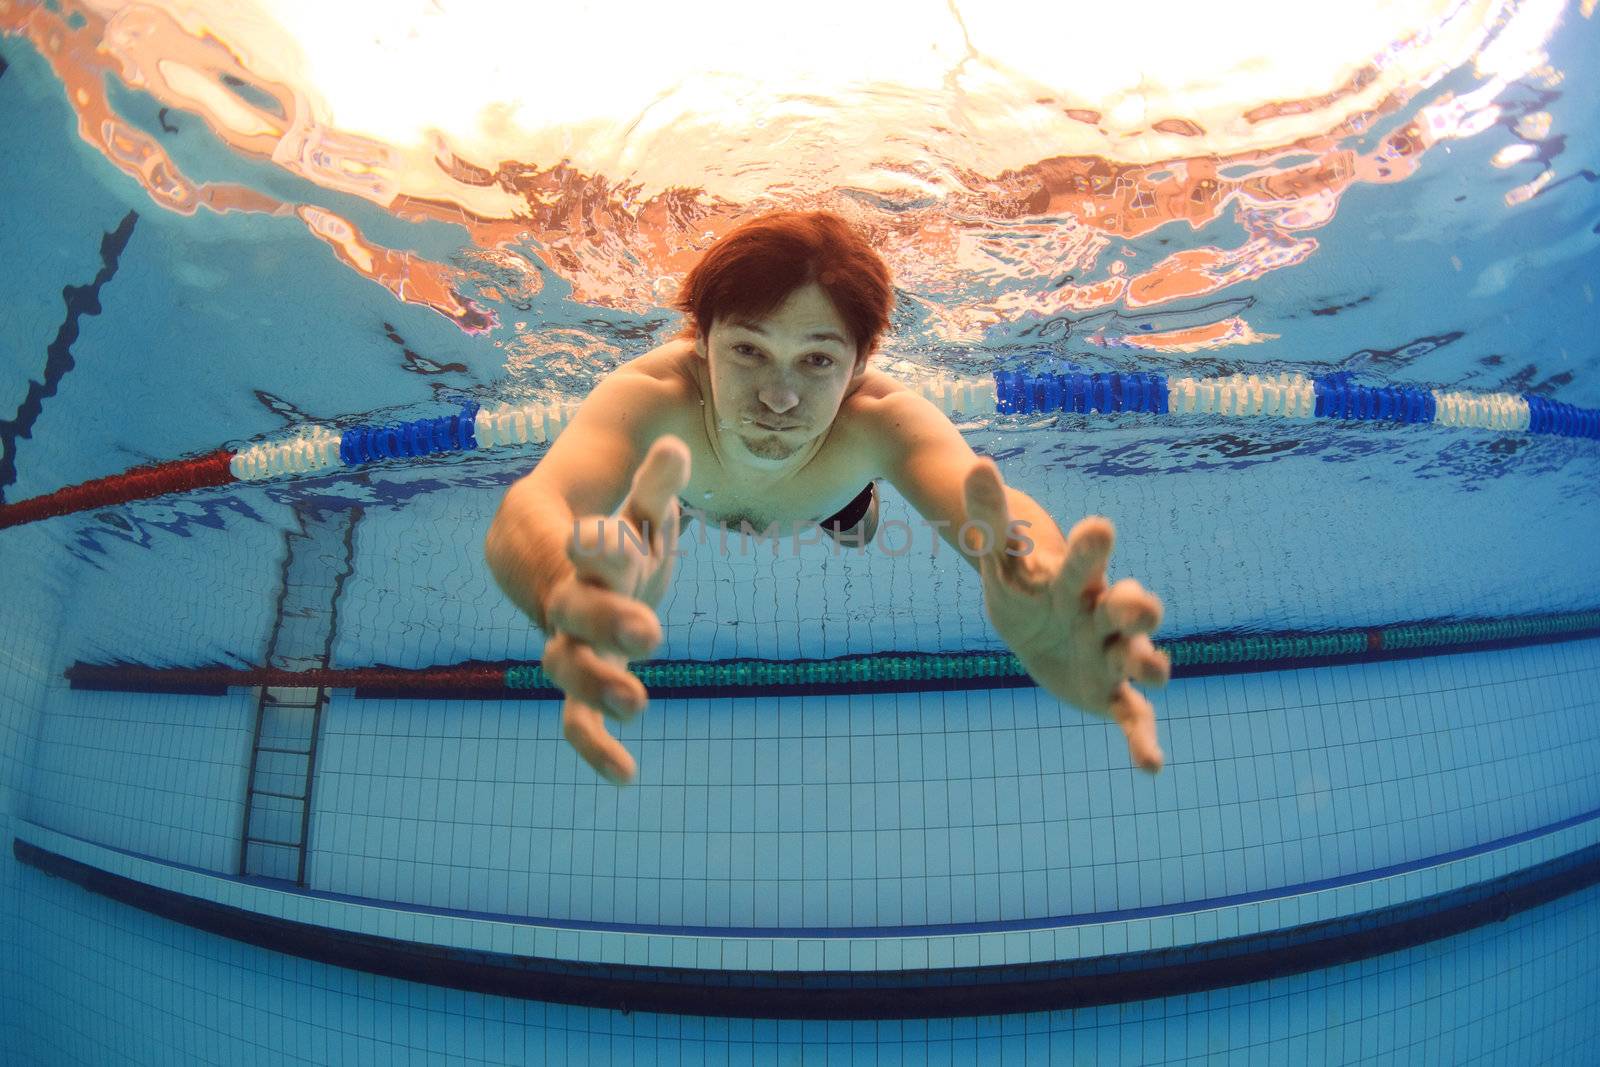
{"x": 764, "y": 411}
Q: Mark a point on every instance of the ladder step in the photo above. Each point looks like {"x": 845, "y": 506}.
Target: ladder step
{"x": 286, "y": 751}
{"x": 292, "y": 694}
{"x": 281, "y": 796}
{"x": 270, "y": 841}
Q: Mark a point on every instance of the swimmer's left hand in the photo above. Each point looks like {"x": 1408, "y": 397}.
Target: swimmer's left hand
{"x": 1081, "y": 641}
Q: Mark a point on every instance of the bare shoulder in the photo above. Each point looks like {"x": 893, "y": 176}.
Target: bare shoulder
{"x": 870, "y": 417}
{"x": 655, "y": 387}
{"x": 874, "y": 386}
{"x": 878, "y": 403}
{"x": 671, "y": 364}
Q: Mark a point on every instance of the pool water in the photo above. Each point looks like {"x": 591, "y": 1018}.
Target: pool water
{"x": 1381, "y": 856}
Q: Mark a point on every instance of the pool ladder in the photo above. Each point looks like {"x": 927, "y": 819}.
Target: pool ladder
{"x": 283, "y": 760}
{"x": 277, "y": 810}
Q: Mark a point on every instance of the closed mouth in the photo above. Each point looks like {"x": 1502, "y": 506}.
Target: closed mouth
{"x": 775, "y": 429}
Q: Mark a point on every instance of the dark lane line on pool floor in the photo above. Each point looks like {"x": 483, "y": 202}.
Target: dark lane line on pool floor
{"x": 81, "y": 300}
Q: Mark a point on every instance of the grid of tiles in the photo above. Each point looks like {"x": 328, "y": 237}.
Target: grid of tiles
{"x": 14, "y": 721}
{"x": 178, "y": 580}
{"x": 158, "y": 774}
{"x": 10, "y": 971}
{"x": 810, "y": 599}
{"x": 908, "y": 809}
{"x": 29, "y": 629}
{"x": 30, "y": 615}
{"x": 421, "y": 595}
{"x": 109, "y": 982}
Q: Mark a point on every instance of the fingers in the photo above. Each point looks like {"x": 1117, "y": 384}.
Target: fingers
{"x": 656, "y": 485}
{"x": 609, "y": 621}
{"x": 1127, "y": 608}
{"x": 603, "y": 554}
{"x": 985, "y": 498}
{"x": 1138, "y": 658}
{"x": 585, "y": 731}
{"x": 602, "y": 682}
{"x": 1089, "y": 544}
{"x": 593, "y": 682}
{"x": 1138, "y": 721}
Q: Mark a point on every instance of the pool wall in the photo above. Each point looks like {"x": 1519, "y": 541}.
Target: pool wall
{"x": 855, "y": 834}
{"x": 29, "y": 625}
{"x": 101, "y": 979}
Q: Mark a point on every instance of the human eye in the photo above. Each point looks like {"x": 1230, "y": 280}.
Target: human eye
{"x": 827, "y": 360}
{"x": 745, "y": 350}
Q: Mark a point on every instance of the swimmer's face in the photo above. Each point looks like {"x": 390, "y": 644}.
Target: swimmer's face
{"x": 777, "y": 383}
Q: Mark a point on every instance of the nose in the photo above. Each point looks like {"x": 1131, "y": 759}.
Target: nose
{"x": 778, "y": 397}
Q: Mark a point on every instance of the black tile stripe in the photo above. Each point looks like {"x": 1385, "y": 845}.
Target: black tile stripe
{"x": 872, "y": 995}
{"x": 81, "y": 300}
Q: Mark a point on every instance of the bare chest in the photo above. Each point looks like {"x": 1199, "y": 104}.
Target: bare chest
{"x": 828, "y": 482}
{"x": 842, "y": 465}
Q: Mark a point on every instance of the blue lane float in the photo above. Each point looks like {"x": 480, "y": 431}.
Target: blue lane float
{"x": 1339, "y": 398}
{"x": 419, "y": 437}
{"x": 1028, "y": 393}
{"x": 1563, "y": 420}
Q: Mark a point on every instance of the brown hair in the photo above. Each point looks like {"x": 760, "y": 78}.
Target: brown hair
{"x": 752, "y": 270}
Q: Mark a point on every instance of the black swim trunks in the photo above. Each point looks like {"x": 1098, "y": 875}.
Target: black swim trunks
{"x": 850, "y": 516}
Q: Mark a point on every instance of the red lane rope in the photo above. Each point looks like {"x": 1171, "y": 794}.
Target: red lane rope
{"x": 466, "y": 677}
{"x": 140, "y": 483}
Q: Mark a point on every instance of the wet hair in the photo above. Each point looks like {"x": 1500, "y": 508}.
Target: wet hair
{"x": 752, "y": 270}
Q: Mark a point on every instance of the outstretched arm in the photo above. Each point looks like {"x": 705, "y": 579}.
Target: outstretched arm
{"x": 592, "y": 594}
{"x": 1045, "y": 594}
{"x": 926, "y": 459}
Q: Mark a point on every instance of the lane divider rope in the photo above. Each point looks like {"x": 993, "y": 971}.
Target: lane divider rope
{"x": 1194, "y": 656}
{"x": 314, "y": 449}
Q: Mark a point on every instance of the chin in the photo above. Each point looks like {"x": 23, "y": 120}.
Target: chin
{"x": 769, "y": 457}
{"x": 765, "y": 447}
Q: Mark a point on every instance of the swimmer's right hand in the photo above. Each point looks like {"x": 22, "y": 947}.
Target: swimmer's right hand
{"x": 603, "y": 614}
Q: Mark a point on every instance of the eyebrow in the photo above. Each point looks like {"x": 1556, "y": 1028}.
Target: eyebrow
{"x": 824, "y": 335}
